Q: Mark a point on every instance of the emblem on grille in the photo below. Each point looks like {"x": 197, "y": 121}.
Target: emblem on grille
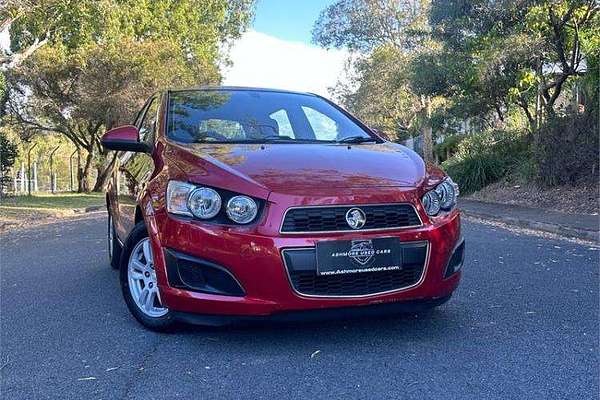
{"x": 361, "y": 251}
{"x": 356, "y": 218}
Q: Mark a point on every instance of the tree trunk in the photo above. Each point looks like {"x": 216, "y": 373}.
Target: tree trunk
{"x": 427, "y": 131}
{"x": 104, "y": 174}
{"x": 83, "y": 174}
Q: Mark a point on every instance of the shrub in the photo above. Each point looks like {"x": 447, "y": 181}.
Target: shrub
{"x": 448, "y": 147}
{"x": 566, "y": 149}
{"x": 485, "y": 158}
{"x": 8, "y": 154}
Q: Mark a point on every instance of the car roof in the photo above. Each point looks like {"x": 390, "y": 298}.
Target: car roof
{"x": 239, "y": 88}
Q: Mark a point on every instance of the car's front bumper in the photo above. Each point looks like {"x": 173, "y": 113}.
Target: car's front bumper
{"x": 312, "y": 315}
{"x": 255, "y": 261}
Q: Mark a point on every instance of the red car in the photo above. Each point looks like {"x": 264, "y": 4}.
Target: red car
{"x": 233, "y": 204}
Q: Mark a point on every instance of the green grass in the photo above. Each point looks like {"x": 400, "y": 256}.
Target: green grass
{"x": 16, "y": 211}
{"x": 59, "y": 202}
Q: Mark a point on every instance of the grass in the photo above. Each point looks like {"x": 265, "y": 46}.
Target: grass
{"x": 61, "y": 201}
{"x": 40, "y": 207}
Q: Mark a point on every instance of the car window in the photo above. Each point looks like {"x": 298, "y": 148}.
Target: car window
{"x": 234, "y": 115}
{"x": 283, "y": 123}
{"x": 147, "y": 126}
{"x": 322, "y": 126}
{"x": 224, "y": 128}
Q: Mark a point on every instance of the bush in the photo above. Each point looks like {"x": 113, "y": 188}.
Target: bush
{"x": 448, "y": 147}
{"x": 566, "y": 149}
{"x": 8, "y": 154}
{"x": 485, "y": 158}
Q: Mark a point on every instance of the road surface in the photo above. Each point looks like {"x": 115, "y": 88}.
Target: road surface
{"x": 523, "y": 325}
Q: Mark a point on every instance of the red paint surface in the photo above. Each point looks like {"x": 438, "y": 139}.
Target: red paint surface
{"x": 284, "y": 175}
{"x": 122, "y": 133}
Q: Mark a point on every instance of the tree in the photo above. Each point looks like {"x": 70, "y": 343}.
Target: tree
{"x": 523, "y": 52}
{"x": 79, "y": 95}
{"x": 367, "y": 24}
{"x": 385, "y": 30}
{"x": 378, "y": 92}
{"x": 103, "y": 58}
{"x": 8, "y": 154}
{"x": 12, "y": 10}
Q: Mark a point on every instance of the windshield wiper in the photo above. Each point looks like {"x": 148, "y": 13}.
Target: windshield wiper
{"x": 283, "y": 138}
{"x": 357, "y": 139}
{"x": 270, "y": 138}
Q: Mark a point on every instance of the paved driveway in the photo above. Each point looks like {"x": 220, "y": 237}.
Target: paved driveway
{"x": 523, "y": 325}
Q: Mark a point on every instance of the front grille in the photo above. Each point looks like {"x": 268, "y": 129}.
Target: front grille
{"x": 301, "y": 266}
{"x": 333, "y": 219}
{"x": 365, "y": 283}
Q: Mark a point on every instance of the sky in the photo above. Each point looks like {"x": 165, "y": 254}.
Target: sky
{"x": 290, "y": 20}
{"x": 277, "y": 51}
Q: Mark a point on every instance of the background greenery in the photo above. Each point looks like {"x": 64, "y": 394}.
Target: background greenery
{"x": 79, "y": 67}
{"x": 503, "y": 87}
{"x": 494, "y": 88}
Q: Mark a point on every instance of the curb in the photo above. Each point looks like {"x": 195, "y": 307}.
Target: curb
{"x": 87, "y": 209}
{"x": 560, "y": 230}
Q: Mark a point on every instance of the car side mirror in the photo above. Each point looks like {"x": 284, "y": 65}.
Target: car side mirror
{"x": 381, "y": 134}
{"x": 124, "y": 138}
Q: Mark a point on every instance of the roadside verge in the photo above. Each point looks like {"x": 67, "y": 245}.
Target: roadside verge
{"x": 581, "y": 226}
{"x": 24, "y": 211}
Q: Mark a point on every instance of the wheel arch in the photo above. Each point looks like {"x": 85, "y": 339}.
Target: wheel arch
{"x": 139, "y": 217}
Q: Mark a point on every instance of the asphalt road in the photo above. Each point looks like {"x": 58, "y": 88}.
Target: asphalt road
{"x": 523, "y": 325}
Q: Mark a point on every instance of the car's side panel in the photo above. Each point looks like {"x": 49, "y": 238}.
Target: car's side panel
{"x": 133, "y": 171}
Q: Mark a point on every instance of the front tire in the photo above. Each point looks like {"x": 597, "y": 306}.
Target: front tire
{"x": 139, "y": 285}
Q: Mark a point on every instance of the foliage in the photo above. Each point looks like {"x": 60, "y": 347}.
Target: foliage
{"x": 197, "y": 27}
{"x": 566, "y": 149}
{"x": 448, "y": 147}
{"x": 366, "y": 24}
{"x": 484, "y": 158}
{"x": 389, "y": 34}
{"x": 8, "y": 153}
{"x": 101, "y": 59}
{"x": 44, "y": 145}
{"x": 3, "y": 93}
{"x": 382, "y": 97}
{"x": 437, "y": 65}
{"x": 517, "y": 49}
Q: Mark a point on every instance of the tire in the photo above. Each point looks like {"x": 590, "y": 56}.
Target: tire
{"x": 137, "y": 276}
{"x": 114, "y": 248}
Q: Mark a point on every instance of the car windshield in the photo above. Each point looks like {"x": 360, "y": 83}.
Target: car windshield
{"x": 239, "y": 116}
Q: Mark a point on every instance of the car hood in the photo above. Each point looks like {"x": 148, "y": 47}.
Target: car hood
{"x": 284, "y": 166}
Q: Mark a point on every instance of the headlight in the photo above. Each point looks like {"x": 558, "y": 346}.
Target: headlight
{"x": 204, "y": 203}
{"x": 431, "y": 202}
{"x": 241, "y": 209}
{"x": 443, "y": 197}
{"x": 177, "y": 197}
{"x": 448, "y": 193}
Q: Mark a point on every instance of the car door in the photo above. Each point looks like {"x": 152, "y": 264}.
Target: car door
{"x": 135, "y": 169}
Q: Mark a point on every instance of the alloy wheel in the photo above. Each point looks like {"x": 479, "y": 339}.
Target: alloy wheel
{"x": 142, "y": 280}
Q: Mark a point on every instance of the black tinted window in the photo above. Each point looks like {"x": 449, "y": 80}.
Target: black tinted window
{"x": 251, "y": 115}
